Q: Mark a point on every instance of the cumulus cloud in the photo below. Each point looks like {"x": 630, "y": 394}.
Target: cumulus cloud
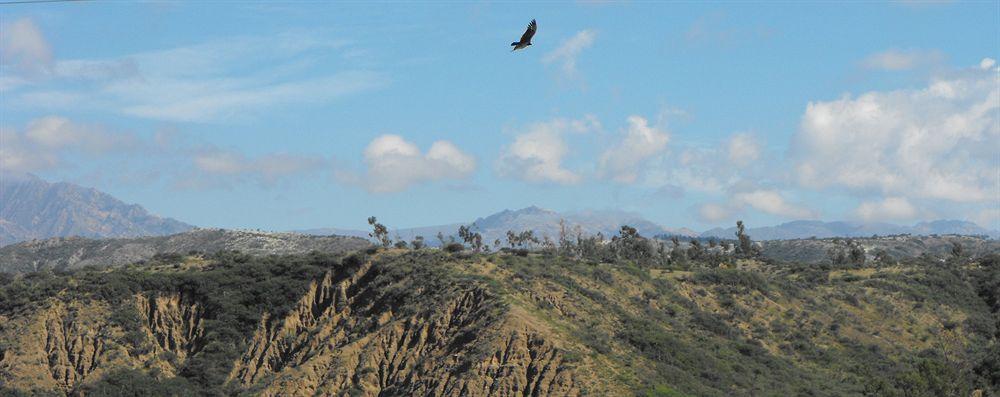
{"x": 536, "y": 155}
{"x": 395, "y": 164}
{"x": 621, "y": 162}
{"x": 896, "y": 59}
{"x": 23, "y": 45}
{"x": 718, "y": 168}
{"x": 937, "y": 142}
{"x": 888, "y": 209}
{"x": 766, "y": 200}
{"x": 771, "y": 202}
{"x": 565, "y": 55}
{"x": 743, "y": 149}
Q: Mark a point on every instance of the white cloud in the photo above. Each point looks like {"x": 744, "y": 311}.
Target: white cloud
{"x": 536, "y": 156}
{"x": 988, "y": 218}
{"x": 743, "y": 149}
{"x": 771, "y": 202}
{"x": 58, "y": 143}
{"x": 565, "y": 55}
{"x": 938, "y": 142}
{"x": 888, "y": 209}
{"x": 713, "y": 213}
{"x": 395, "y": 164}
{"x": 987, "y": 63}
{"x": 717, "y": 168}
{"x": 768, "y": 201}
{"x": 96, "y": 70}
{"x": 896, "y": 59}
{"x": 717, "y": 29}
{"x": 59, "y": 132}
{"x": 46, "y": 142}
{"x": 221, "y": 163}
{"x": 22, "y": 44}
{"x": 219, "y": 100}
{"x": 641, "y": 141}
{"x": 206, "y": 82}
{"x": 266, "y": 170}
{"x": 17, "y": 154}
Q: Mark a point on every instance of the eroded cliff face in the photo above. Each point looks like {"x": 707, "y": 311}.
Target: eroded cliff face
{"x": 338, "y": 339}
{"x": 173, "y": 324}
{"x": 348, "y": 333}
{"x": 58, "y": 347}
{"x": 63, "y": 345}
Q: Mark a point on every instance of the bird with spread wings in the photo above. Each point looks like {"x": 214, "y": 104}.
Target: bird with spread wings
{"x": 526, "y": 37}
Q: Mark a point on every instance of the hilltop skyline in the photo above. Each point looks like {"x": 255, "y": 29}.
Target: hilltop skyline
{"x": 290, "y": 117}
{"x": 33, "y": 209}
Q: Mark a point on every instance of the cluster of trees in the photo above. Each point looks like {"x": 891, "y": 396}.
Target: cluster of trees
{"x": 628, "y": 244}
{"x": 847, "y": 252}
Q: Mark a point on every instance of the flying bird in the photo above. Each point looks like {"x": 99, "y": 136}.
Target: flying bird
{"x": 526, "y": 37}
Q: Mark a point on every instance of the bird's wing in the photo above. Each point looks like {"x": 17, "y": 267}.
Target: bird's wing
{"x": 526, "y": 37}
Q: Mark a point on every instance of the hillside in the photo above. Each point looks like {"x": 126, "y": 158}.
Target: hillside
{"x": 31, "y": 208}
{"x": 405, "y": 322}
{"x": 77, "y": 252}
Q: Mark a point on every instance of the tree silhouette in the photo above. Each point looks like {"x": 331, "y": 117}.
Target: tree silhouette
{"x": 745, "y": 246}
{"x": 379, "y": 232}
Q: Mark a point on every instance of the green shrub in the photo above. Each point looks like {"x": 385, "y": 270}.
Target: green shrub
{"x": 734, "y": 279}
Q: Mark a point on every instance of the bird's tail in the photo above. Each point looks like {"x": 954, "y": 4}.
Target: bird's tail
{"x": 514, "y": 44}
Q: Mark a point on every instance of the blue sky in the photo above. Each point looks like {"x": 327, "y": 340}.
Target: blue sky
{"x": 298, "y": 115}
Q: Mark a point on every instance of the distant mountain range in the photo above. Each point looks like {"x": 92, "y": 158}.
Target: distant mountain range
{"x": 31, "y": 208}
{"x": 608, "y": 222}
{"x": 542, "y": 221}
{"x": 819, "y": 229}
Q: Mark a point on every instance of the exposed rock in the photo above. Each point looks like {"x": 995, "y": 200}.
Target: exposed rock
{"x": 173, "y": 323}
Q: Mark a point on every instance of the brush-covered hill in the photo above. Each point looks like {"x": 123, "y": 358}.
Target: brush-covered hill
{"x": 77, "y": 252}
{"x": 31, "y": 208}
{"x": 594, "y": 320}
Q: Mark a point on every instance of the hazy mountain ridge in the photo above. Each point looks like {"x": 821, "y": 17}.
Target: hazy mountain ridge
{"x": 31, "y": 208}
{"x": 820, "y": 229}
{"x": 77, "y": 252}
{"x": 542, "y": 221}
{"x": 545, "y": 222}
